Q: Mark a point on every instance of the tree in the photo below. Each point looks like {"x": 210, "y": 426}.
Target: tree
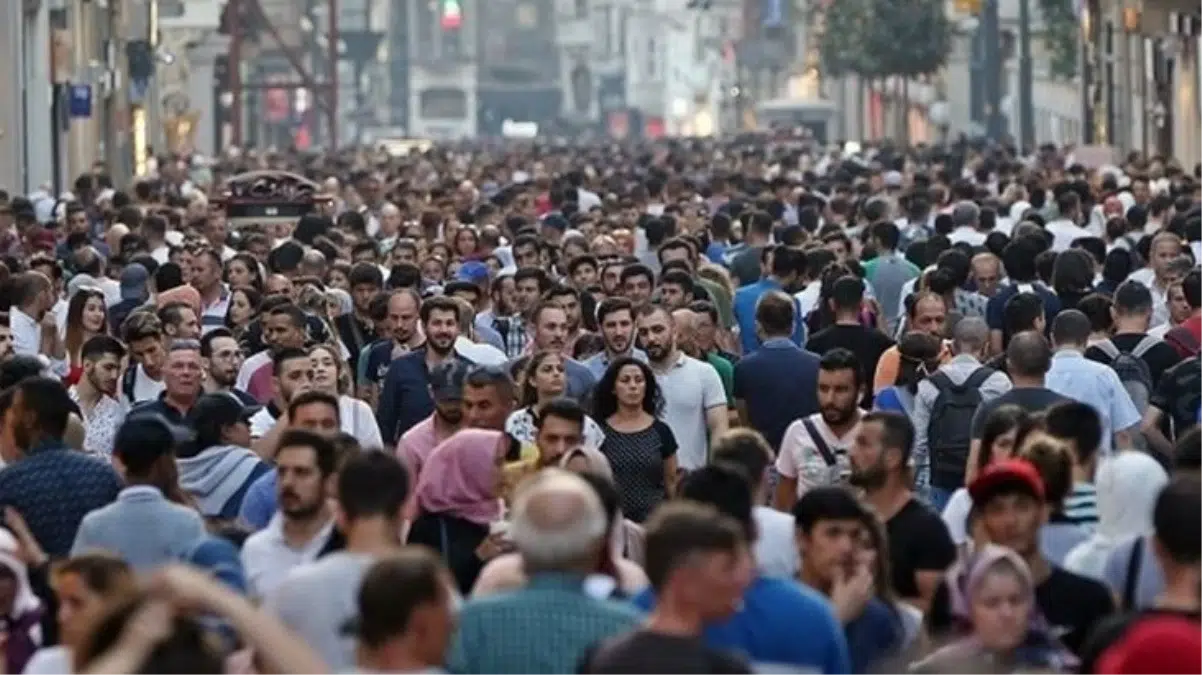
{"x": 847, "y": 22}
{"x": 883, "y": 38}
{"x": 1061, "y": 36}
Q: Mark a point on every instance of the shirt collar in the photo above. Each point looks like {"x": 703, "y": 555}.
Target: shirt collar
{"x": 1068, "y": 353}
{"x": 776, "y": 343}
{"x": 46, "y": 445}
{"x": 965, "y": 358}
{"x": 137, "y": 492}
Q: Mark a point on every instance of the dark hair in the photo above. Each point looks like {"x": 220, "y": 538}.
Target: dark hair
{"x": 636, "y": 270}
{"x": 186, "y": 649}
{"x": 678, "y": 531}
{"x": 897, "y": 432}
{"x": 826, "y": 502}
{"x": 365, "y": 273}
{"x": 776, "y": 313}
{"x": 1191, "y": 286}
{"x": 312, "y": 397}
{"x": 1072, "y": 272}
{"x": 1117, "y": 266}
{"x": 918, "y": 357}
{"x": 888, "y": 234}
{"x": 1019, "y": 258}
{"x": 326, "y": 456}
{"x": 1000, "y": 422}
{"x": 745, "y": 448}
{"x": 372, "y": 484}
{"x": 1078, "y": 423}
{"x": 295, "y": 314}
{"x": 280, "y": 356}
{"x": 1132, "y": 298}
{"x": 1070, "y": 327}
{"x": 1096, "y": 306}
{"x": 843, "y": 359}
{"x": 529, "y": 393}
{"x": 251, "y": 264}
{"x": 561, "y": 408}
{"x": 1177, "y": 519}
{"x": 172, "y": 313}
{"x": 847, "y": 293}
{"x": 1187, "y": 452}
{"x": 612, "y": 305}
{"x": 438, "y": 303}
{"x": 1028, "y": 354}
{"x": 1021, "y": 312}
{"x": 99, "y": 346}
{"x": 206, "y": 340}
{"x": 168, "y": 276}
{"x": 47, "y": 398}
{"x": 605, "y": 400}
{"x": 725, "y": 488}
{"x": 393, "y": 589}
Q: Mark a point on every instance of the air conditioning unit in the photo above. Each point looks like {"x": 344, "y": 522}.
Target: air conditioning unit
{"x": 189, "y": 14}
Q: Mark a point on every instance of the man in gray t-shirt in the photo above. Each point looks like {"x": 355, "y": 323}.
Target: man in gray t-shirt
{"x": 318, "y": 600}
{"x": 1149, "y": 581}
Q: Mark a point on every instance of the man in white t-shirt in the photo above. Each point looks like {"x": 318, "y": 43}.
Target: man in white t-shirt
{"x": 813, "y": 450}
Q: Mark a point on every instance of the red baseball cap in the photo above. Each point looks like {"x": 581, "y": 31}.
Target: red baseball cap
{"x": 1158, "y": 644}
{"x": 1008, "y": 473}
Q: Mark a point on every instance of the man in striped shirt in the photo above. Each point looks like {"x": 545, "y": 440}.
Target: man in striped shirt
{"x": 1079, "y": 426}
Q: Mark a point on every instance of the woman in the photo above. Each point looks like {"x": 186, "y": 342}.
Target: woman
{"x": 243, "y": 271}
{"x": 1127, "y": 486}
{"x": 339, "y": 276}
{"x": 85, "y": 586}
{"x": 330, "y": 375}
{"x": 338, "y": 302}
{"x": 640, "y": 448}
{"x": 244, "y": 307}
{"x": 615, "y": 574}
{"x": 919, "y": 355}
{"x": 993, "y": 597}
{"x": 1004, "y": 429}
{"x": 543, "y": 382}
{"x": 20, "y": 609}
{"x": 1073, "y": 277}
{"x": 458, "y": 500}
{"x": 467, "y": 244}
{"x": 86, "y": 318}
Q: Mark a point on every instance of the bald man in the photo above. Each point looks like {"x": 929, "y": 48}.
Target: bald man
{"x": 944, "y": 407}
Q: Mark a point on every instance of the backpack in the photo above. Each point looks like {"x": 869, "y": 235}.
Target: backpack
{"x": 1132, "y": 370}
{"x": 1181, "y": 339}
{"x": 129, "y": 380}
{"x": 949, "y": 433}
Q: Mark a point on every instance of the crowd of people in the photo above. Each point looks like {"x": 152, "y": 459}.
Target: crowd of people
{"x": 751, "y": 405}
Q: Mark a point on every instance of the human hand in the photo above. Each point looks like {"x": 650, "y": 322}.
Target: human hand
{"x": 852, "y": 591}
{"x": 186, "y": 588}
{"x": 28, "y": 549}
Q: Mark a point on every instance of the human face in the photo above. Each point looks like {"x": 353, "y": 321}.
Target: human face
{"x": 1013, "y": 521}
{"x": 279, "y": 332}
{"x": 362, "y": 294}
{"x": 206, "y": 272}
{"x": 325, "y": 370}
{"x": 584, "y": 275}
{"x": 630, "y": 386}
{"x": 103, "y": 373}
{"x": 715, "y": 582}
{"x": 188, "y": 327}
{"x": 677, "y": 253}
{"x": 551, "y": 330}
{"x": 637, "y": 289}
{"x": 1000, "y": 609}
{"x": 674, "y": 296}
{"x": 77, "y": 222}
{"x": 301, "y": 488}
{"x": 705, "y": 332}
{"x": 505, "y": 296}
{"x": 1003, "y": 446}
{"x": 278, "y": 284}
{"x": 838, "y": 247}
{"x": 183, "y": 372}
{"x": 239, "y": 274}
{"x": 869, "y": 468}
{"x": 295, "y": 376}
{"x": 224, "y": 362}
{"x": 1164, "y": 252}
{"x": 611, "y": 278}
{"x": 837, "y": 395}
{"x": 572, "y": 307}
{"x": 527, "y": 294}
{"x": 617, "y": 330}
{"x": 829, "y": 550}
{"x": 240, "y": 309}
{"x": 317, "y": 417}
{"x": 1179, "y": 309}
{"x": 525, "y": 256}
{"x": 433, "y": 269}
{"x": 987, "y": 276}
{"x": 555, "y": 437}
{"x": 465, "y": 242}
{"x": 442, "y": 329}
{"x": 483, "y": 407}
{"x": 150, "y": 353}
{"x": 402, "y": 317}
{"x": 657, "y": 335}
{"x": 930, "y": 315}
{"x": 93, "y": 317}
{"x": 548, "y": 377}
{"x": 78, "y": 605}
{"x": 186, "y": 261}
{"x": 6, "y": 342}
{"x": 338, "y": 280}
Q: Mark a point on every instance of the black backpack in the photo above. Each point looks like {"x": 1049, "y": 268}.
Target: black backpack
{"x": 950, "y": 431}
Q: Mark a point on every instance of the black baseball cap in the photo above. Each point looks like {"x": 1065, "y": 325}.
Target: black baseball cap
{"x": 224, "y": 408}
{"x": 145, "y": 436}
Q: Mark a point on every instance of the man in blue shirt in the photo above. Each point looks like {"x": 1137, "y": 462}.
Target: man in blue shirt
{"x": 1019, "y": 260}
{"x": 787, "y": 267}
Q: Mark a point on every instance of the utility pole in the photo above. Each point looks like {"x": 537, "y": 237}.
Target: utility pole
{"x": 990, "y": 27}
{"x": 1026, "y": 79}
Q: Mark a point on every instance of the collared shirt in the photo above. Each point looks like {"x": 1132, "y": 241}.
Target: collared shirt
{"x": 690, "y": 389}
{"x": 512, "y": 330}
{"x": 778, "y": 384}
{"x": 405, "y": 395}
{"x": 100, "y": 424}
{"x": 267, "y": 557}
{"x": 1090, "y": 382}
{"x": 54, "y": 487}
{"x": 597, "y": 364}
{"x": 958, "y": 370}
{"x": 745, "y": 301}
{"x": 546, "y": 627}
{"x": 1160, "y": 296}
{"x": 162, "y": 407}
{"x": 142, "y": 527}
{"x": 213, "y": 316}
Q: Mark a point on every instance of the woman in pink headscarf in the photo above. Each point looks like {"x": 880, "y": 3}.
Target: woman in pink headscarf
{"x": 458, "y": 500}
{"x": 185, "y": 294}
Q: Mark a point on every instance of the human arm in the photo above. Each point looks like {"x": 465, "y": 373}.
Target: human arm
{"x": 667, "y": 451}
{"x": 386, "y": 411}
{"x": 713, "y": 399}
{"x": 934, "y": 553}
{"x": 266, "y": 445}
{"x": 921, "y": 417}
{"x": 1152, "y": 433}
{"x": 788, "y": 469}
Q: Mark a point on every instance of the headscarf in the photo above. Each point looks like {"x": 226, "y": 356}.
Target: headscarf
{"x": 597, "y": 462}
{"x": 1127, "y": 485}
{"x": 459, "y": 478}
{"x": 185, "y": 294}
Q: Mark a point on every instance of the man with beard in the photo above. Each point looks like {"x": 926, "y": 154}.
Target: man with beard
{"x": 503, "y": 316}
{"x": 283, "y": 328}
{"x": 356, "y": 329}
{"x": 694, "y": 401}
{"x": 615, "y": 319}
{"x": 401, "y": 335}
{"x": 96, "y": 393}
{"x": 221, "y": 358}
{"x": 787, "y": 268}
{"x": 920, "y": 548}
{"x": 813, "y": 451}
{"x": 302, "y": 526}
{"x": 568, "y": 298}
{"x": 549, "y": 332}
{"x": 294, "y": 375}
{"x": 405, "y": 395}
{"x": 446, "y": 389}
{"x": 687, "y": 339}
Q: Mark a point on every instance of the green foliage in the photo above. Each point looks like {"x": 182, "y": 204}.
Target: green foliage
{"x": 882, "y": 38}
{"x": 1061, "y": 36}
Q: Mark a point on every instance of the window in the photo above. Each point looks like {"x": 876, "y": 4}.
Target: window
{"x": 443, "y": 104}
{"x": 652, "y": 57}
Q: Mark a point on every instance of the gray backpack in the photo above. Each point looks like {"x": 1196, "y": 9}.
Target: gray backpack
{"x": 1132, "y": 370}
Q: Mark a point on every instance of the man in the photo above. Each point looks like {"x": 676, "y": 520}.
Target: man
{"x": 182, "y": 374}
{"x": 1159, "y": 275}
{"x": 304, "y": 465}
{"x": 559, "y": 428}
{"x": 529, "y": 284}
{"x": 221, "y": 358}
{"x": 406, "y": 612}
{"x": 549, "y": 332}
{"x": 283, "y": 328}
{"x": 776, "y": 384}
{"x": 446, "y": 390}
{"x": 694, "y": 402}
{"x": 218, "y": 468}
{"x": 143, "y": 380}
{"x": 775, "y": 554}
{"x": 1079, "y": 427}
{"x": 293, "y": 375}
{"x": 787, "y": 266}
{"x": 1008, "y": 497}
{"x": 1065, "y": 230}
{"x": 1187, "y": 336}
{"x": 780, "y": 622}
{"x": 636, "y": 283}
{"x": 569, "y": 299}
{"x": 943, "y": 410}
{"x": 214, "y": 296}
{"x": 986, "y": 273}
{"x": 504, "y": 317}
{"x": 830, "y": 527}
{"x": 317, "y": 600}
{"x": 920, "y": 548}
{"x": 1131, "y": 310}
{"x": 402, "y": 334}
{"x": 96, "y": 393}
{"x": 33, "y": 324}
{"x": 1175, "y": 405}
{"x": 135, "y": 291}
{"x": 1028, "y": 358}
{"x": 708, "y": 329}
{"x": 356, "y": 329}
{"x": 489, "y": 397}
{"x": 675, "y": 289}
{"x": 142, "y": 526}
{"x": 522, "y": 631}
{"x": 700, "y": 564}
{"x": 615, "y": 319}
{"x": 927, "y": 313}
{"x": 1023, "y": 312}
{"x": 745, "y": 260}
{"x": 1019, "y": 260}
{"x": 179, "y": 321}
{"x": 405, "y": 394}
{"x": 583, "y": 272}
{"x": 51, "y": 486}
{"x": 966, "y": 224}
{"x": 868, "y": 343}
{"x": 813, "y": 450}
{"x": 1074, "y": 376}
{"x": 889, "y": 271}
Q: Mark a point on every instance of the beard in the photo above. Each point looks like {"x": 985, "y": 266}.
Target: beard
{"x": 440, "y": 345}
{"x": 868, "y": 478}
{"x": 657, "y": 352}
{"x": 834, "y": 415}
{"x": 294, "y": 507}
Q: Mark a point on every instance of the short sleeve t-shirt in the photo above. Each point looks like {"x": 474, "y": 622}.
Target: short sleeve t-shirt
{"x": 646, "y": 652}
{"x": 1179, "y": 393}
{"x": 1160, "y": 357}
{"x": 690, "y": 388}
{"x": 918, "y": 542}
{"x": 800, "y": 458}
